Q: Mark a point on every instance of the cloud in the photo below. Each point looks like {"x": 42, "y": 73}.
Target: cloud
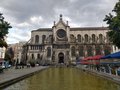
{"x": 15, "y": 35}
{"x": 26, "y": 15}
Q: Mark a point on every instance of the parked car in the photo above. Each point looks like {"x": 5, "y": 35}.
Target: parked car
{"x": 4, "y": 64}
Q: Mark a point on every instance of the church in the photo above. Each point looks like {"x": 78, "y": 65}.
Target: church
{"x": 64, "y": 44}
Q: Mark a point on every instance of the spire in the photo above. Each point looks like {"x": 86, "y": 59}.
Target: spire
{"x": 67, "y": 23}
{"x": 54, "y": 23}
{"x": 60, "y": 16}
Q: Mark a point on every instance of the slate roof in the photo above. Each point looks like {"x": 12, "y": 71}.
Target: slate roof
{"x": 74, "y": 29}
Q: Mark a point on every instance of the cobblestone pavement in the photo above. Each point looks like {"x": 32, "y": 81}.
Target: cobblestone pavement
{"x": 12, "y": 73}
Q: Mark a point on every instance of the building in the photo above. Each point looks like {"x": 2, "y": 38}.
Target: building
{"x": 115, "y": 49}
{"x": 2, "y": 52}
{"x": 64, "y": 44}
{"x": 17, "y": 49}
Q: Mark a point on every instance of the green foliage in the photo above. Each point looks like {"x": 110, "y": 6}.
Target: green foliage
{"x": 4, "y": 26}
{"x": 3, "y": 43}
{"x": 114, "y": 25}
{"x": 7, "y": 56}
{"x": 114, "y": 37}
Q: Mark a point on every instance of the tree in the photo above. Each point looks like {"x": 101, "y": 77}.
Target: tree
{"x": 9, "y": 55}
{"x": 4, "y": 26}
{"x": 113, "y": 22}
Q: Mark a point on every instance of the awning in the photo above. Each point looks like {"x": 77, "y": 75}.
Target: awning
{"x": 97, "y": 57}
{"x": 106, "y": 57}
{"x": 113, "y": 55}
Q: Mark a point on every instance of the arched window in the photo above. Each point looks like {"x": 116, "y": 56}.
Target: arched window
{"x": 32, "y": 56}
{"x": 107, "y": 38}
{"x": 48, "y": 51}
{"x": 86, "y": 38}
{"x": 43, "y": 38}
{"x": 72, "y": 38}
{"x": 98, "y": 50}
{"x": 107, "y": 50}
{"x": 89, "y": 51}
{"x": 36, "y": 39}
{"x": 79, "y": 38}
{"x": 51, "y": 38}
{"x": 93, "y": 38}
{"x": 38, "y": 56}
{"x": 81, "y": 51}
{"x": 100, "y": 38}
{"x": 73, "y": 51}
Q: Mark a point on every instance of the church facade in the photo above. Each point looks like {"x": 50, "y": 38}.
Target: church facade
{"x": 64, "y": 44}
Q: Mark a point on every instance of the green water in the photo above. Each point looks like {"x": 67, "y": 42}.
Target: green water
{"x": 64, "y": 79}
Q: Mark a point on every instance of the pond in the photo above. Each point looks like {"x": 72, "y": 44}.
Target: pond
{"x": 64, "y": 79}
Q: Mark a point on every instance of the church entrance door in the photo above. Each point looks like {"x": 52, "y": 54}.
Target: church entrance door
{"x": 61, "y": 58}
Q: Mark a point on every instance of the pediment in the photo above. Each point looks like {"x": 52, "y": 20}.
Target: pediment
{"x": 61, "y": 24}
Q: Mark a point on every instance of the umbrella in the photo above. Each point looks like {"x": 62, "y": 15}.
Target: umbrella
{"x": 115, "y": 55}
{"x": 106, "y": 57}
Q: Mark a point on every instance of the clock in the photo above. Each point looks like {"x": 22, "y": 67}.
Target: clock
{"x": 61, "y": 33}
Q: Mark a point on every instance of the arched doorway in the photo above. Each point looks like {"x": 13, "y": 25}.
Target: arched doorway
{"x": 61, "y": 58}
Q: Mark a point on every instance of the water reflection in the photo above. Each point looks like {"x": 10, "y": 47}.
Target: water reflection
{"x": 64, "y": 79}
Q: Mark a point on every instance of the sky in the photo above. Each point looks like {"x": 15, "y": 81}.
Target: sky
{"x": 27, "y": 15}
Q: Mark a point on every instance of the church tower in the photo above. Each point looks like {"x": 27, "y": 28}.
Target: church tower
{"x": 61, "y": 41}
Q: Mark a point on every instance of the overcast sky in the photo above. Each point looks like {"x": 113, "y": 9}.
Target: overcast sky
{"x": 27, "y": 15}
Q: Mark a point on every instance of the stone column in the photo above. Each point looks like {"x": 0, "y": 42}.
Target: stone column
{"x": 85, "y": 51}
{"x": 94, "y": 52}
{"x": 102, "y": 47}
{"x": 68, "y": 35}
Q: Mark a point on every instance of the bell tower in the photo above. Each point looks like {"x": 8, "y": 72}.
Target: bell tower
{"x": 61, "y": 41}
